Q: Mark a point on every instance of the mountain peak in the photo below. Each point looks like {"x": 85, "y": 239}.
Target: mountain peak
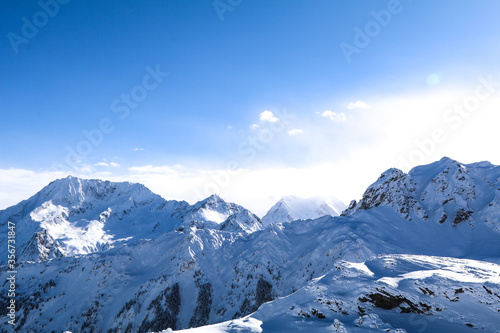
{"x": 291, "y": 208}
{"x": 446, "y": 159}
{"x": 391, "y": 173}
{"x": 215, "y": 213}
{"x": 483, "y": 164}
{"x": 445, "y": 164}
{"x": 214, "y": 198}
{"x": 74, "y": 190}
{"x": 393, "y": 188}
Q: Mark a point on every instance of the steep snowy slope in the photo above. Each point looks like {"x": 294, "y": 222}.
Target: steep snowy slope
{"x": 391, "y": 293}
{"x": 291, "y": 208}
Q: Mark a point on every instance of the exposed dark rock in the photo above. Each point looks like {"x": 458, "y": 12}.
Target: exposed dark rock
{"x": 245, "y": 308}
{"x": 166, "y": 308}
{"x": 264, "y": 292}
{"x": 461, "y": 216}
{"x": 384, "y": 300}
{"x": 317, "y": 313}
{"x": 204, "y": 304}
{"x": 41, "y": 247}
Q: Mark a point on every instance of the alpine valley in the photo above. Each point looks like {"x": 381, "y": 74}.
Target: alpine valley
{"x": 419, "y": 252}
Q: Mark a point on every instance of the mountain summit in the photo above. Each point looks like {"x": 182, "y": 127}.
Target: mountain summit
{"x": 291, "y": 208}
{"x": 214, "y": 212}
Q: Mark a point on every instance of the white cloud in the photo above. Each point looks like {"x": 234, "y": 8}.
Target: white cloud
{"x": 268, "y": 116}
{"x": 137, "y": 149}
{"x": 150, "y": 169}
{"x": 105, "y": 164}
{"x": 358, "y": 105}
{"x": 334, "y": 116}
{"x": 20, "y": 184}
{"x": 254, "y": 127}
{"x": 83, "y": 168}
{"x": 295, "y": 131}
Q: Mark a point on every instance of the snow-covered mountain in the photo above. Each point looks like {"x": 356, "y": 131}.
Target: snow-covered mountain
{"x": 446, "y": 192}
{"x": 291, "y": 208}
{"x": 391, "y": 262}
{"x": 73, "y": 216}
{"x": 215, "y": 213}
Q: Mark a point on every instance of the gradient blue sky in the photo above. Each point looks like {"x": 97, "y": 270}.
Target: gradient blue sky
{"x": 264, "y": 56}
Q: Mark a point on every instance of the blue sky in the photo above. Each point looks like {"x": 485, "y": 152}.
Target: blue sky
{"x": 349, "y": 118}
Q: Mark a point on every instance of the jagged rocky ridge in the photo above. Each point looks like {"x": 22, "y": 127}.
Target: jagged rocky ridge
{"x": 194, "y": 267}
{"x": 445, "y": 191}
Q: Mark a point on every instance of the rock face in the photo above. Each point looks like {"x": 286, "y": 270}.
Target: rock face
{"x": 395, "y": 189}
{"x": 42, "y": 247}
{"x": 141, "y": 263}
{"x": 446, "y": 192}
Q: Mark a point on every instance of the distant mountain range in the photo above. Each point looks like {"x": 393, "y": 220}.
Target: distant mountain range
{"x": 419, "y": 252}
